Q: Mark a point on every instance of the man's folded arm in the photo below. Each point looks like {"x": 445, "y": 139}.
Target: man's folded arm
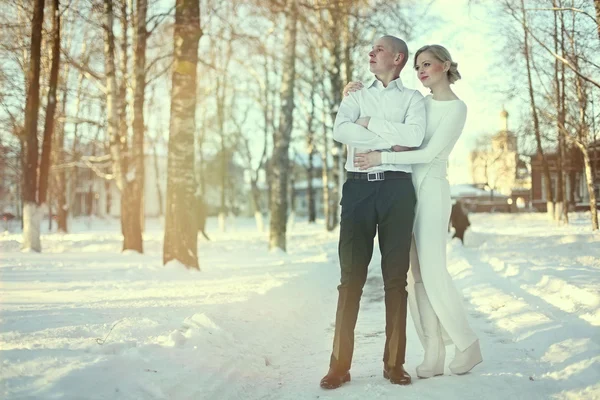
{"x": 409, "y": 133}
{"x": 346, "y": 131}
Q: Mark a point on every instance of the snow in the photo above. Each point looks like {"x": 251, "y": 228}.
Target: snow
{"x": 84, "y": 321}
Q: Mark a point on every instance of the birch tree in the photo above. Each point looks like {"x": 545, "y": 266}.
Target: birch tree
{"x": 181, "y": 236}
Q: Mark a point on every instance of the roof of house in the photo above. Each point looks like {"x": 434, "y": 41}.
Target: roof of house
{"x": 467, "y": 190}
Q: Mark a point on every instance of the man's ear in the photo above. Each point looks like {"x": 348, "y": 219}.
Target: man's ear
{"x": 400, "y": 58}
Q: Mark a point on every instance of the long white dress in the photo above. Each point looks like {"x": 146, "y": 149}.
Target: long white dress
{"x": 445, "y": 121}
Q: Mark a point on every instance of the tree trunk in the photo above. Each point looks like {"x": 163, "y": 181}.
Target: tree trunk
{"x": 71, "y": 183}
{"x": 31, "y": 213}
{"x": 122, "y": 85}
{"x": 310, "y": 143}
{"x": 310, "y": 190}
{"x": 572, "y": 182}
{"x": 563, "y": 143}
{"x": 108, "y": 199}
{"x": 583, "y": 140}
{"x": 117, "y": 134}
{"x": 325, "y": 175}
{"x": 536, "y": 124}
{"x": 335, "y": 79}
{"x": 158, "y": 189}
{"x": 132, "y": 237}
{"x": 223, "y": 186}
{"x": 220, "y": 100}
{"x": 582, "y": 143}
{"x": 51, "y": 106}
{"x": 597, "y": 6}
{"x": 131, "y": 198}
{"x": 181, "y": 237}
{"x": 60, "y": 177}
{"x": 222, "y": 82}
{"x": 258, "y": 217}
{"x": 112, "y": 97}
{"x": 562, "y": 206}
{"x": 292, "y": 191}
{"x": 589, "y": 177}
{"x": 200, "y": 163}
{"x": 282, "y": 136}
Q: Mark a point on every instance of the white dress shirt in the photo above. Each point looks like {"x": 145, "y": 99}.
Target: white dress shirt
{"x": 397, "y": 117}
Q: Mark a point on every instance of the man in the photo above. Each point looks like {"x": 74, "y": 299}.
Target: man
{"x": 381, "y": 115}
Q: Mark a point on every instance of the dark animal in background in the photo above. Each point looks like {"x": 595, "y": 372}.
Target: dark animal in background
{"x": 459, "y": 220}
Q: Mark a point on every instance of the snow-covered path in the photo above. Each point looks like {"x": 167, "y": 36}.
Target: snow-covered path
{"x": 259, "y": 325}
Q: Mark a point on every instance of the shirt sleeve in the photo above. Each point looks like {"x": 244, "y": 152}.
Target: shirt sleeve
{"x": 446, "y": 135}
{"x": 347, "y": 132}
{"x": 409, "y": 133}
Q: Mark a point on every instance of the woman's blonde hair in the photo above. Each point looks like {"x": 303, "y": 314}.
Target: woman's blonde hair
{"x": 443, "y": 55}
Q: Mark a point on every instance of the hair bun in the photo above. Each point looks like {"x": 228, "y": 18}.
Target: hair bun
{"x": 453, "y": 74}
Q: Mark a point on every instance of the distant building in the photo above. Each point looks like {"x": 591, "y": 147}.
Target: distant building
{"x": 497, "y": 166}
{"x": 301, "y": 196}
{"x": 575, "y": 178}
{"x": 298, "y": 186}
{"x": 94, "y": 195}
{"x": 477, "y": 199}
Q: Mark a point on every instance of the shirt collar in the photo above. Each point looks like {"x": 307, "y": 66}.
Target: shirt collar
{"x": 397, "y": 82}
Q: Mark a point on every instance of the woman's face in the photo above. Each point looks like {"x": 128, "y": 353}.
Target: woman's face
{"x": 430, "y": 70}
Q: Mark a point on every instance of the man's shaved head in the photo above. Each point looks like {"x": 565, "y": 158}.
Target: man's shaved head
{"x": 397, "y": 45}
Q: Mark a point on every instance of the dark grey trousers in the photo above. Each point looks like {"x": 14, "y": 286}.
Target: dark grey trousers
{"x": 386, "y": 207}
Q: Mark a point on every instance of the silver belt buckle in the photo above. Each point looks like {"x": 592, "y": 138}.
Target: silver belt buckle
{"x": 375, "y": 176}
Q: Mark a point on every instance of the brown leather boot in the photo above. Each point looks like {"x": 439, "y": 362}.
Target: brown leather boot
{"x": 334, "y": 379}
{"x": 397, "y": 375}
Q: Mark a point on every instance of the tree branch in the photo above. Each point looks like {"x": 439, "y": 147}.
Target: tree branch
{"x": 86, "y": 71}
{"x": 576, "y": 10}
{"x": 558, "y": 57}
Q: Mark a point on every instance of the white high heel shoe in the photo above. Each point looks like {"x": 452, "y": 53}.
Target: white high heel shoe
{"x": 435, "y": 350}
{"x": 464, "y": 361}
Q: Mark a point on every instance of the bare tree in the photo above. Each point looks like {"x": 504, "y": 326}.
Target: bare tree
{"x": 51, "y": 105}
{"x": 222, "y": 80}
{"x": 281, "y": 140}
{"x": 534, "y": 115}
{"x": 311, "y": 149}
{"x": 335, "y": 20}
{"x": 582, "y": 139}
{"x": 31, "y": 214}
{"x": 34, "y": 190}
{"x": 562, "y": 206}
{"x": 570, "y": 100}
{"x": 134, "y": 198}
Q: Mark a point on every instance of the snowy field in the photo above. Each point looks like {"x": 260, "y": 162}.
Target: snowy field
{"x": 82, "y": 321}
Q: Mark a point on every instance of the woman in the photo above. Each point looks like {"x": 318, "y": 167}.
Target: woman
{"x": 435, "y": 304}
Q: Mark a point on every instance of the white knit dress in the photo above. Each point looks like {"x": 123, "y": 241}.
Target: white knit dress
{"x": 445, "y": 121}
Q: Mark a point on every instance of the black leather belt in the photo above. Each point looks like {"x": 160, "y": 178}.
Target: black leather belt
{"x": 378, "y": 176}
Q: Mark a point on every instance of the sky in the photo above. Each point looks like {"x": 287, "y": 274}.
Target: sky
{"x": 464, "y": 32}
